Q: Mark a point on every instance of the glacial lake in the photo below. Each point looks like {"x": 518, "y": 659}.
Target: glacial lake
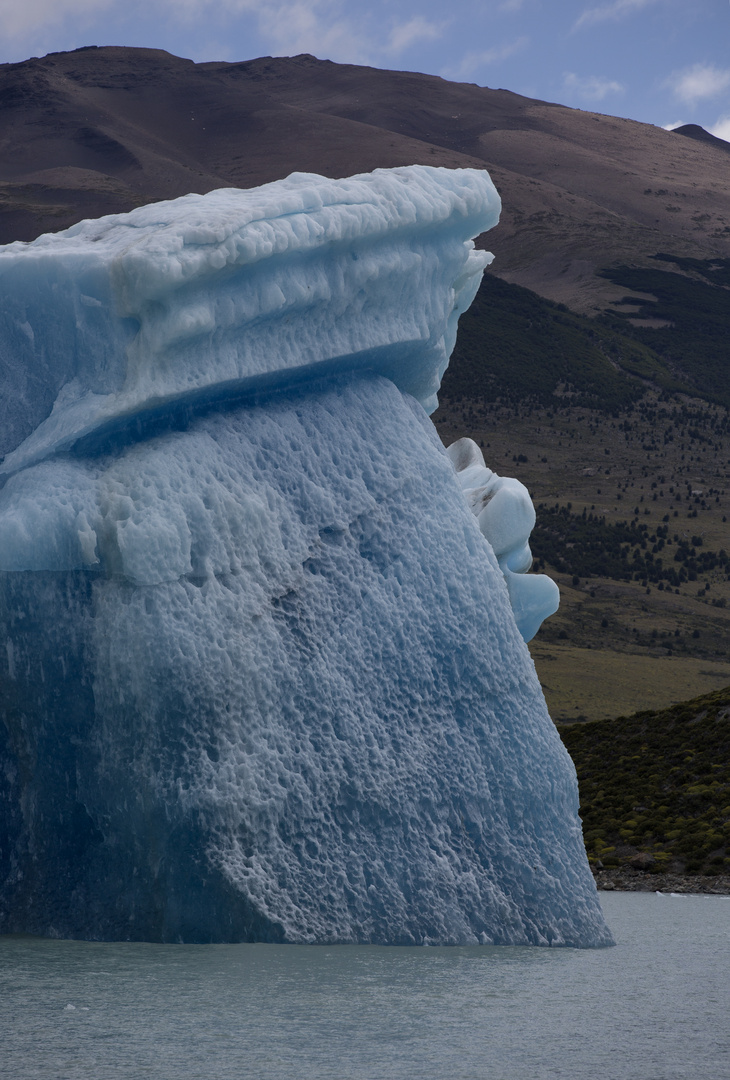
{"x": 655, "y": 1007}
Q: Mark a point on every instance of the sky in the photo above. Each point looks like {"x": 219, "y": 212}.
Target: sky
{"x": 665, "y": 62}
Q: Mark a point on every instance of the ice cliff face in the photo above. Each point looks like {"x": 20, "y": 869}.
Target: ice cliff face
{"x": 261, "y": 679}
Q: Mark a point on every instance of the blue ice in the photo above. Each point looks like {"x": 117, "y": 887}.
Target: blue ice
{"x": 264, "y": 673}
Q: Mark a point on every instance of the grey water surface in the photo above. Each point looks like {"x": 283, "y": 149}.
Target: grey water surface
{"x": 655, "y": 1007}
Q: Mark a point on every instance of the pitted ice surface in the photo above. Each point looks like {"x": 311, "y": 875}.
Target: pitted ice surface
{"x": 262, "y": 669}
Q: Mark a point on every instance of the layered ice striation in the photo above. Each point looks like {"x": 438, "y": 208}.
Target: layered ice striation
{"x": 129, "y": 318}
{"x": 260, "y": 677}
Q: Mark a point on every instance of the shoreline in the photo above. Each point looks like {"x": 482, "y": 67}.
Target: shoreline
{"x": 627, "y": 879}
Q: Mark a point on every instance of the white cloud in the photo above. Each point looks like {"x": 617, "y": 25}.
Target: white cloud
{"x": 477, "y": 59}
{"x": 20, "y": 19}
{"x": 406, "y": 34}
{"x": 290, "y": 26}
{"x": 675, "y": 124}
{"x": 333, "y": 28}
{"x": 336, "y": 29}
{"x": 592, "y": 87}
{"x": 313, "y": 26}
{"x": 323, "y": 27}
{"x": 616, "y": 10}
{"x": 722, "y": 128}
{"x": 699, "y": 81}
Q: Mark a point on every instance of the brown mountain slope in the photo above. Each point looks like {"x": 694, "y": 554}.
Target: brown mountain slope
{"x": 102, "y": 130}
{"x": 117, "y": 127}
{"x": 694, "y": 131}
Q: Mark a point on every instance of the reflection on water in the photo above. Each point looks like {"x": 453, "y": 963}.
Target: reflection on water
{"x": 656, "y": 1007}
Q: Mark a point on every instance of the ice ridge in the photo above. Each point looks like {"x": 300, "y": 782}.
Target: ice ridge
{"x": 207, "y": 297}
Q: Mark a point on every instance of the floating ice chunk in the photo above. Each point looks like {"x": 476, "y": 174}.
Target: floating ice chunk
{"x": 506, "y": 517}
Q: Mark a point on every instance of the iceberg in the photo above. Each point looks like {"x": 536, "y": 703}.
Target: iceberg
{"x": 263, "y": 673}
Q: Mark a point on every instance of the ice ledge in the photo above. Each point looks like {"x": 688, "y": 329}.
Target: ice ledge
{"x": 209, "y": 296}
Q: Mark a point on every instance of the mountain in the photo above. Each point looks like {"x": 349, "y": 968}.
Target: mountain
{"x": 101, "y": 130}
{"x": 694, "y": 131}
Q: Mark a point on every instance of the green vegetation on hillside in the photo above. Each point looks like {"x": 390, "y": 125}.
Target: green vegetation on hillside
{"x": 655, "y": 787}
{"x": 716, "y": 271}
{"x": 515, "y": 346}
{"x": 587, "y": 546}
{"x": 694, "y": 344}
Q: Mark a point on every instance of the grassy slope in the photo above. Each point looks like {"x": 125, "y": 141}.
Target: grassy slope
{"x": 655, "y": 787}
